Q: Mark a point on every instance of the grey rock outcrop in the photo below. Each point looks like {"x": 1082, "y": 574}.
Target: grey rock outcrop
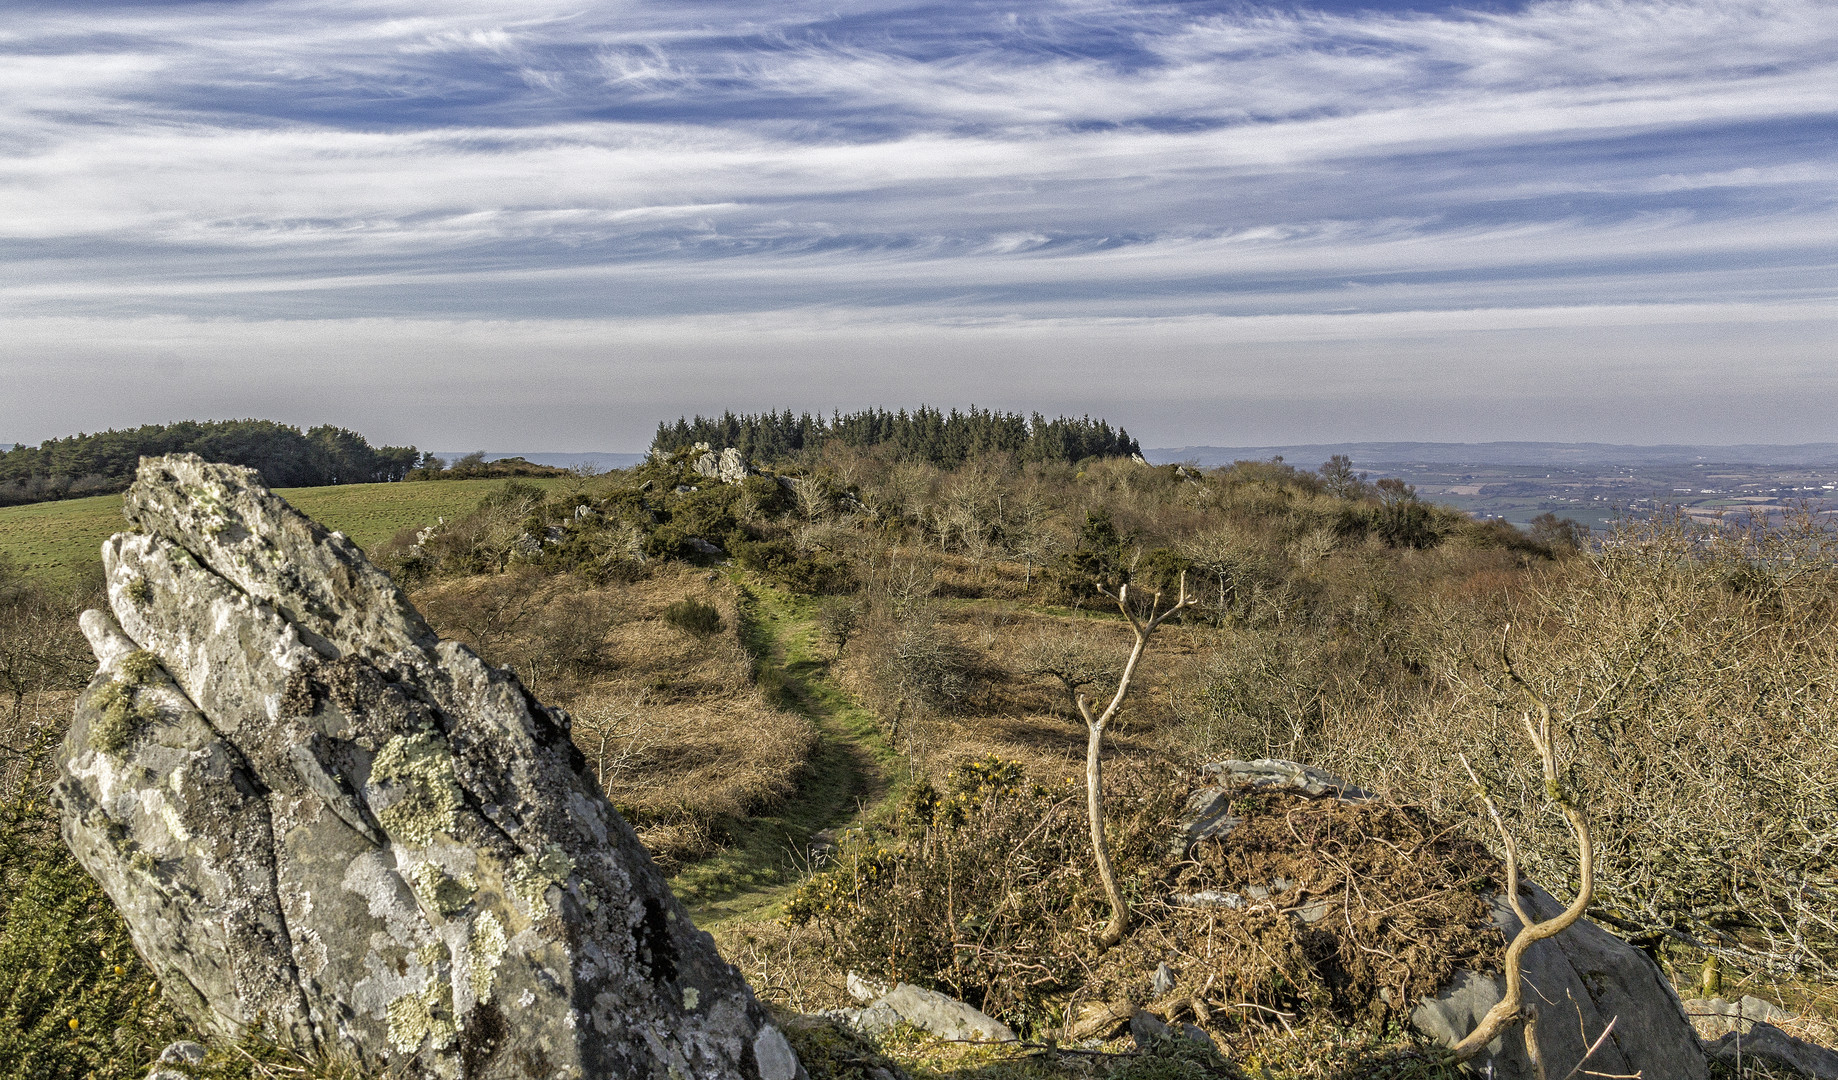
{"x": 729, "y": 466}
{"x": 319, "y": 819}
{"x": 1715, "y": 1017}
{"x": 1580, "y": 980}
{"x": 1277, "y": 774}
{"x": 1208, "y": 812}
{"x": 1769, "y": 1043}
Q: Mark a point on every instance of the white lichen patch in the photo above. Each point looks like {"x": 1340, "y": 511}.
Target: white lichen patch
{"x": 430, "y": 799}
{"x": 690, "y": 997}
{"x": 531, "y": 876}
{"x": 487, "y": 947}
{"x": 169, "y": 817}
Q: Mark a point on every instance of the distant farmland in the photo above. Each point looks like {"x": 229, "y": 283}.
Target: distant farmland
{"x": 59, "y": 542}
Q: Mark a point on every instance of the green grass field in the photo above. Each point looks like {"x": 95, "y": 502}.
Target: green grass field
{"x": 58, "y": 542}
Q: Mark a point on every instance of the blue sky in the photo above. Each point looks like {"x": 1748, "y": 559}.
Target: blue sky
{"x": 545, "y": 225}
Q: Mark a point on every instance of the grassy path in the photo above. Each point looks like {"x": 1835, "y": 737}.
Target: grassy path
{"x": 852, "y": 775}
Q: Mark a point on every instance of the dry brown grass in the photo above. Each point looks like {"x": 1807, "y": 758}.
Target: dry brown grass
{"x": 1019, "y": 716}
{"x": 672, "y": 723}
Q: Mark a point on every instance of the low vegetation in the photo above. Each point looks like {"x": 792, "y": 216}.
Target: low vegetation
{"x": 857, "y": 635}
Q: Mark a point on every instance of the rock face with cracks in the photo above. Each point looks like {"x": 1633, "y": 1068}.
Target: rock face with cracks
{"x": 320, "y": 820}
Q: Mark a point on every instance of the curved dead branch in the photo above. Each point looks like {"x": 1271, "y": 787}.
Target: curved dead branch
{"x": 1512, "y": 1008}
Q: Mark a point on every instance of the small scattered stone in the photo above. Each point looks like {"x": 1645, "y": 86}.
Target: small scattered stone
{"x": 1145, "y": 1028}
{"x": 183, "y": 1052}
{"x": 1162, "y": 982}
{"x": 865, "y": 989}
{"x": 927, "y": 1010}
{"x": 1714, "y": 1017}
{"x": 1210, "y": 898}
{"x": 1208, "y": 813}
{"x": 1284, "y": 775}
{"x": 874, "y": 1019}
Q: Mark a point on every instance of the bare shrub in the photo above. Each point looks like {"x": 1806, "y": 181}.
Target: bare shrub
{"x": 836, "y": 620}
{"x": 613, "y": 736}
{"x": 485, "y": 611}
{"x": 1702, "y": 676}
{"x": 911, "y": 666}
{"x": 1257, "y": 695}
{"x": 1073, "y": 657}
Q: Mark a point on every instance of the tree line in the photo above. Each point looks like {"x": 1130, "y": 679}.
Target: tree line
{"x": 102, "y": 462}
{"x": 945, "y": 439}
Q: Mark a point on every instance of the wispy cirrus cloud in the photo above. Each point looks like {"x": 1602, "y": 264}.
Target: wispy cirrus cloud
{"x": 951, "y": 163}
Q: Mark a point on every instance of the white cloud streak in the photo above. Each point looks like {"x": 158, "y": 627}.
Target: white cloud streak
{"x": 901, "y": 165}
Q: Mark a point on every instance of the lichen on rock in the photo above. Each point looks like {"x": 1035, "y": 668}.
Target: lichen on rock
{"x": 319, "y": 820}
{"x": 428, "y": 798}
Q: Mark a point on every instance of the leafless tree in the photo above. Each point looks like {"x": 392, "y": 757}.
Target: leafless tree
{"x": 1095, "y": 724}
{"x": 1074, "y": 660}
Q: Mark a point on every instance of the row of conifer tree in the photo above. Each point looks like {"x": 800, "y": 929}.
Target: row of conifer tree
{"x": 946, "y": 439}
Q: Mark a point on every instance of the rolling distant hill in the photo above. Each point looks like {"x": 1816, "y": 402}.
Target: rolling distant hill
{"x": 600, "y": 460}
{"x": 1595, "y": 483}
{"x": 1504, "y": 453}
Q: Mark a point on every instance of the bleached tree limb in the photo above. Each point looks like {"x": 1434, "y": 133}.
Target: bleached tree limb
{"x": 1094, "y": 726}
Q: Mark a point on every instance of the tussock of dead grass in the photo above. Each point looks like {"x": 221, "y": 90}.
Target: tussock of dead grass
{"x": 1024, "y": 717}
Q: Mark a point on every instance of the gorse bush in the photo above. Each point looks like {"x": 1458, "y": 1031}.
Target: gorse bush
{"x": 693, "y": 617}
{"x": 75, "y": 1000}
{"x": 981, "y": 890}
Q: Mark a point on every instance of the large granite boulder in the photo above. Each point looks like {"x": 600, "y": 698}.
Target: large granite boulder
{"x": 320, "y": 820}
{"x": 1581, "y": 980}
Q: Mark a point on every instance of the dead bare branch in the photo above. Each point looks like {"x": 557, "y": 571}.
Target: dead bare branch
{"x": 1094, "y": 725}
{"x": 1512, "y": 1008}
